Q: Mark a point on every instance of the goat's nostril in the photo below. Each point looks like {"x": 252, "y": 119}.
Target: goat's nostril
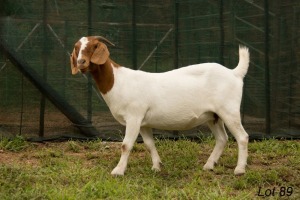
{"x": 81, "y": 61}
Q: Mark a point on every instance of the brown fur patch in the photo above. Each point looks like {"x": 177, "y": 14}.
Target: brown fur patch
{"x": 124, "y": 147}
{"x": 103, "y": 76}
{"x": 100, "y": 54}
{"x": 102, "y": 73}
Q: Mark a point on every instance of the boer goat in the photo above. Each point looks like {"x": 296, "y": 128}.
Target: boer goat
{"x": 175, "y": 100}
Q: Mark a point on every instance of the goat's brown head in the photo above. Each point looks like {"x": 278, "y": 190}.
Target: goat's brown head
{"x": 89, "y": 50}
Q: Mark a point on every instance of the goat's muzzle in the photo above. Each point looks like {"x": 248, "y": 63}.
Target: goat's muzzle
{"x": 81, "y": 61}
{"x": 82, "y": 65}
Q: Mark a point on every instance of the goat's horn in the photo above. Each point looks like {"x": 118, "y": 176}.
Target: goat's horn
{"x": 100, "y": 38}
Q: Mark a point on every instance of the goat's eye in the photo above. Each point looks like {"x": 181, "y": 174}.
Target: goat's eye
{"x": 95, "y": 47}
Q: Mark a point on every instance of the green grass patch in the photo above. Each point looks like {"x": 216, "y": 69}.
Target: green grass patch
{"x": 15, "y": 145}
{"x": 81, "y": 170}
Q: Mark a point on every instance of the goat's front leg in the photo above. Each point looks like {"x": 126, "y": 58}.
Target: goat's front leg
{"x": 131, "y": 134}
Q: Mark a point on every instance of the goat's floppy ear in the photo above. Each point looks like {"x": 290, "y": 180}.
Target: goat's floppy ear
{"x": 73, "y": 60}
{"x": 100, "y": 54}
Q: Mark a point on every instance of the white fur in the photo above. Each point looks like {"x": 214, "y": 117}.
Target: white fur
{"x": 84, "y": 42}
{"x": 175, "y": 100}
{"x": 179, "y": 100}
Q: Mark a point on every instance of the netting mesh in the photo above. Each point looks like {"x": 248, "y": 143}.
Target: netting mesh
{"x": 153, "y": 36}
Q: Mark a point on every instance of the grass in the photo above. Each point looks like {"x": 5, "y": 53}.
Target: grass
{"x": 81, "y": 170}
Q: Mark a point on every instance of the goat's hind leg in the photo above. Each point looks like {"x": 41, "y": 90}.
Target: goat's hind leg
{"x": 237, "y": 130}
{"x": 147, "y": 136}
{"x": 218, "y": 130}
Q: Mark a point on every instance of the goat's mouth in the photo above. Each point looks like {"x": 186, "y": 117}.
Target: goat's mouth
{"x": 84, "y": 70}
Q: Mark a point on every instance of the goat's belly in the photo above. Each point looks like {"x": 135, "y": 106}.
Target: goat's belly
{"x": 177, "y": 122}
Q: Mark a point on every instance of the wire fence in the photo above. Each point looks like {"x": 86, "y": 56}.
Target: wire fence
{"x": 153, "y": 36}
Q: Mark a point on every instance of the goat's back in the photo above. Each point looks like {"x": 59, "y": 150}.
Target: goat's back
{"x": 184, "y": 98}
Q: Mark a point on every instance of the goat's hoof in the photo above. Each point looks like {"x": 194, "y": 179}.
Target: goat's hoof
{"x": 156, "y": 169}
{"x": 117, "y": 172}
{"x": 239, "y": 171}
{"x": 208, "y": 167}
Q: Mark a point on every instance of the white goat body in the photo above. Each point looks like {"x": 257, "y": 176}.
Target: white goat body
{"x": 175, "y": 100}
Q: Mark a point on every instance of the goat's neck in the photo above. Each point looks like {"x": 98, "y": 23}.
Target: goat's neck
{"x": 104, "y": 76}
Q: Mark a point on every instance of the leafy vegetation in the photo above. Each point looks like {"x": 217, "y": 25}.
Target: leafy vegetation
{"x": 81, "y": 170}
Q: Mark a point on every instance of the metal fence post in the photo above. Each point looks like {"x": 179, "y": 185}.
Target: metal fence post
{"x": 89, "y": 78}
{"x": 222, "y": 36}
{"x": 45, "y": 66}
{"x": 176, "y": 42}
{"x": 176, "y": 64}
{"x": 267, "y": 68}
{"x": 134, "y": 52}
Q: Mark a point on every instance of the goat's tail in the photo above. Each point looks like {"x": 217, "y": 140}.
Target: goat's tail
{"x": 244, "y": 58}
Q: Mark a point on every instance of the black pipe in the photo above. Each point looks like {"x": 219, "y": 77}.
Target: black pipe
{"x": 58, "y": 101}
